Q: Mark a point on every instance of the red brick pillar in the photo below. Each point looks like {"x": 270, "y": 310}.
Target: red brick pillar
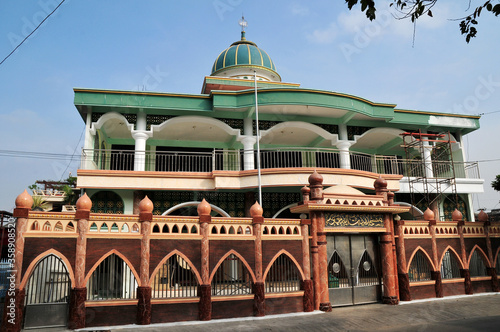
{"x": 12, "y": 320}
{"x": 436, "y": 273}
{"x": 77, "y": 312}
{"x": 320, "y": 259}
{"x": 307, "y": 284}
{"x": 386, "y": 249}
{"x": 144, "y": 290}
{"x": 205, "y": 289}
{"x": 483, "y": 217}
{"x": 259, "y": 302}
{"x": 403, "y": 279}
{"x": 464, "y": 273}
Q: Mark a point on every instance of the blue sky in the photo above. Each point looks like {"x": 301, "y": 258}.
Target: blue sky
{"x": 170, "y": 46}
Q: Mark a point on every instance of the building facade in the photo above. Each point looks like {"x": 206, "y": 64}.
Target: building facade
{"x": 361, "y": 202}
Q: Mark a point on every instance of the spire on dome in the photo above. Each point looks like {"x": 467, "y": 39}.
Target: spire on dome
{"x": 243, "y": 23}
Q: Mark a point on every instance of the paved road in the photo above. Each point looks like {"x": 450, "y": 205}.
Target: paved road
{"x": 470, "y": 313}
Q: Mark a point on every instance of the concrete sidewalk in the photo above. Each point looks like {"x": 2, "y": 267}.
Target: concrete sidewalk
{"x": 479, "y": 312}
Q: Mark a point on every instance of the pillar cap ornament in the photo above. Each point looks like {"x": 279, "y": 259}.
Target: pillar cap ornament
{"x": 145, "y": 205}
{"x": 456, "y": 215}
{"x": 428, "y": 215}
{"x": 380, "y": 183}
{"x": 24, "y": 200}
{"x": 482, "y": 216}
{"x": 305, "y": 190}
{"x": 256, "y": 210}
{"x": 315, "y": 178}
{"x": 204, "y": 208}
{"x": 84, "y": 203}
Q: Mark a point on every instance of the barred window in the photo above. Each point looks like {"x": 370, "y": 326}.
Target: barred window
{"x": 175, "y": 278}
{"x": 498, "y": 264}
{"x": 367, "y": 274}
{"x": 112, "y": 279}
{"x": 420, "y": 269}
{"x": 477, "y": 265}
{"x": 450, "y": 268}
{"x": 337, "y": 274}
{"x": 283, "y": 276}
{"x": 231, "y": 278}
{"x": 49, "y": 282}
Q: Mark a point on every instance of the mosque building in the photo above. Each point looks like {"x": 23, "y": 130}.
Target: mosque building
{"x": 254, "y": 197}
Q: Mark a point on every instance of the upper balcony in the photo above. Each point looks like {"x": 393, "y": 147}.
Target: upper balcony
{"x": 178, "y": 164}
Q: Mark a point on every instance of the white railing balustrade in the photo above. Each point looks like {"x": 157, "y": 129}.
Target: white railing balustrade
{"x": 233, "y": 160}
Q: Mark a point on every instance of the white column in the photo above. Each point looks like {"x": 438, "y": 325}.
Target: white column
{"x": 426, "y": 156}
{"x": 88, "y": 144}
{"x": 345, "y": 160}
{"x": 248, "y": 153}
{"x": 248, "y": 144}
{"x": 140, "y": 137}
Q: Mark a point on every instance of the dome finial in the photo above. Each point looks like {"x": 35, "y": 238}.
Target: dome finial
{"x": 243, "y": 23}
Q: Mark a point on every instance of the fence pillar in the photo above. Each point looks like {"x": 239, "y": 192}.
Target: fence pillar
{"x": 14, "y": 301}
{"x": 386, "y": 249}
{"x": 144, "y": 290}
{"x": 403, "y": 279}
{"x": 205, "y": 289}
{"x": 436, "y": 274}
{"x": 77, "y": 310}
{"x": 259, "y": 303}
{"x": 307, "y": 284}
{"x": 464, "y": 273}
{"x": 483, "y": 217}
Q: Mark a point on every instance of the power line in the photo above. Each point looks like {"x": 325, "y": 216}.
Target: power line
{"x": 32, "y": 32}
{"x": 74, "y": 151}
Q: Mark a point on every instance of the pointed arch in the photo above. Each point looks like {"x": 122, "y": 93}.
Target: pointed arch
{"x": 429, "y": 260}
{"x": 233, "y": 252}
{"x": 119, "y": 254}
{"x": 38, "y": 258}
{"x": 279, "y": 253}
{"x": 184, "y": 257}
{"x": 450, "y": 264}
{"x": 497, "y": 259}
{"x": 481, "y": 254}
{"x": 457, "y": 256}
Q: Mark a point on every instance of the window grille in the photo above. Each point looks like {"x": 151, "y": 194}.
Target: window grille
{"x": 367, "y": 274}
{"x": 477, "y": 266}
{"x": 175, "y": 279}
{"x": 283, "y": 276}
{"x": 337, "y": 274}
{"x": 420, "y": 269}
{"x": 498, "y": 264}
{"x": 231, "y": 278}
{"x": 112, "y": 279}
{"x": 450, "y": 268}
{"x": 49, "y": 282}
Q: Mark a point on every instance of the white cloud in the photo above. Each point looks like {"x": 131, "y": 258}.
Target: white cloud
{"x": 324, "y": 36}
{"x": 299, "y": 9}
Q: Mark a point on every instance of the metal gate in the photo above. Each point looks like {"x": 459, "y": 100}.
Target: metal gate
{"x": 47, "y": 294}
{"x": 353, "y": 269}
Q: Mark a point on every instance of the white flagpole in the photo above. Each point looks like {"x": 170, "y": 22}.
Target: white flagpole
{"x": 258, "y": 137}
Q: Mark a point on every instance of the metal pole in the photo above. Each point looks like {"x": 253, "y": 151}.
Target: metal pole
{"x": 258, "y": 137}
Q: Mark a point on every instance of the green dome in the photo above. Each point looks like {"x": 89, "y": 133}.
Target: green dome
{"x": 243, "y": 53}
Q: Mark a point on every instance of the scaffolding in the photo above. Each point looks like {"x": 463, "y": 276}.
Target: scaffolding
{"x": 430, "y": 169}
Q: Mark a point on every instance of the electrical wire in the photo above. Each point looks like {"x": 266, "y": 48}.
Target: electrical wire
{"x": 32, "y": 32}
{"x": 73, "y": 155}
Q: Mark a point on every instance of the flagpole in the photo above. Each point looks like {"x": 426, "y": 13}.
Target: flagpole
{"x": 258, "y": 138}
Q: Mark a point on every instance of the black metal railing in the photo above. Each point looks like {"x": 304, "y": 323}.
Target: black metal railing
{"x": 283, "y": 276}
{"x": 420, "y": 269}
{"x": 231, "y": 278}
{"x": 175, "y": 279}
{"x": 450, "y": 269}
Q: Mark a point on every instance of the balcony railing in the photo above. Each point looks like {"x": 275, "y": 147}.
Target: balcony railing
{"x": 233, "y": 160}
